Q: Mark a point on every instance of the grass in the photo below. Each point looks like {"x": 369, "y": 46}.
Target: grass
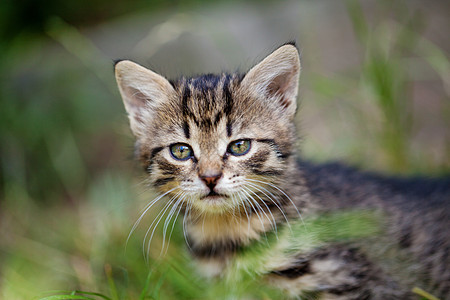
{"x": 66, "y": 208}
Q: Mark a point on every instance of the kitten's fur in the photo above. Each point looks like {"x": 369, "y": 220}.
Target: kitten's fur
{"x": 232, "y": 201}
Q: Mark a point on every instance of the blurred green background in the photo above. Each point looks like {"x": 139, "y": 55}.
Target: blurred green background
{"x": 374, "y": 92}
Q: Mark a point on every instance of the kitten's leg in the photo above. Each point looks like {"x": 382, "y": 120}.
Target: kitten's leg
{"x": 336, "y": 272}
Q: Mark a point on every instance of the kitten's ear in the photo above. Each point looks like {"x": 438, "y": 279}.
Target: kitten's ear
{"x": 276, "y": 78}
{"x": 142, "y": 90}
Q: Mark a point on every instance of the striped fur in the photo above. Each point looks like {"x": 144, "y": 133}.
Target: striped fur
{"x": 234, "y": 204}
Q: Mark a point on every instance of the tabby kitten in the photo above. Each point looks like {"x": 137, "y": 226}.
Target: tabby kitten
{"x": 221, "y": 148}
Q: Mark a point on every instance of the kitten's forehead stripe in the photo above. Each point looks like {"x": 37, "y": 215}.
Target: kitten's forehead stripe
{"x": 229, "y": 128}
{"x": 218, "y": 118}
{"x": 227, "y": 95}
{"x": 186, "y": 129}
{"x": 228, "y": 103}
{"x": 206, "y": 99}
{"x": 185, "y": 100}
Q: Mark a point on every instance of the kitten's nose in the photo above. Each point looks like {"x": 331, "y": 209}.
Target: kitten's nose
{"x": 211, "y": 180}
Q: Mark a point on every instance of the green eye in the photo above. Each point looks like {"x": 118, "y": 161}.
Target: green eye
{"x": 239, "y": 147}
{"x": 181, "y": 151}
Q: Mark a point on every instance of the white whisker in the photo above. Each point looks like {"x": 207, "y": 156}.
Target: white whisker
{"x": 273, "y": 222}
{"x": 157, "y": 220}
{"x": 187, "y": 215}
{"x": 263, "y": 190}
{"x": 167, "y": 221}
{"x": 180, "y": 204}
{"x": 250, "y": 193}
{"x": 203, "y": 226}
{"x": 289, "y": 198}
{"x": 256, "y": 211}
{"x": 145, "y": 210}
{"x": 244, "y": 204}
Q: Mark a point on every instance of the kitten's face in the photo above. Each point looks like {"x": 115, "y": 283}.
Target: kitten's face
{"x": 210, "y": 141}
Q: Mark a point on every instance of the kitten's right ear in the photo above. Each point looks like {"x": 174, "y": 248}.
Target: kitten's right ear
{"x": 142, "y": 90}
{"x": 275, "y": 79}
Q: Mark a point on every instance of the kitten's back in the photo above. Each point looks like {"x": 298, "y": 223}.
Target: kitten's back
{"x": 417, "y": 209}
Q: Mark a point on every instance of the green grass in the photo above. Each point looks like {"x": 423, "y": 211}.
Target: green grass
{"x": 66, "y": 208}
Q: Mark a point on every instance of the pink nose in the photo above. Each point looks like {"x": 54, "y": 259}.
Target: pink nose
{"x": 211, "y": 180}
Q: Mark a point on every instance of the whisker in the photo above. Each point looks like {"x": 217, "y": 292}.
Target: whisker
{"x": 256, "y": 211}
{"x": 145, "y": 210}
{"x": 261, "y": 189}
{"x": 167, "y": 222}
{"x": 236, "y": 215}
{"x": 236, "y": 212}
{"x": 173, "y": 224}
{"x": 203, "y": 226}
{"x": 154, "y": 222}
{"x": 287, "y": 197}
{"x": 157, "y": 220}
{"x": 187, "y": 214}
{"x": 244, "y": 204}
{"x": 274, "y": 223}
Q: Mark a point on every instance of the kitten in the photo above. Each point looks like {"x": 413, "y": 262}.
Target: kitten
{"x": 222, "y": 147}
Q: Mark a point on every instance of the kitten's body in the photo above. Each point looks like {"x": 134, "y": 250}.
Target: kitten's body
{"x": 223, "y": 147}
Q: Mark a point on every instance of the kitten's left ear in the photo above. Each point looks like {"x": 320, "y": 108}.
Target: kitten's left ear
{"x": 276, "y": 78}
{"x": 142, "y": 91}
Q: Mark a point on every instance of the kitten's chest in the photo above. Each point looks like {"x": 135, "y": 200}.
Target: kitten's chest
{"x": 234, "y": 262}
{"x": 232, "y": 247}
{"x": 222, "y": 245}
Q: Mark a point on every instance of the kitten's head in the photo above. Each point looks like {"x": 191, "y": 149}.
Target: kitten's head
{"x": 214, "y": 140}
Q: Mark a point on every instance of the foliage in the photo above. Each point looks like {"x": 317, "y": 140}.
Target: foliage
{"x": 67, "y": 193}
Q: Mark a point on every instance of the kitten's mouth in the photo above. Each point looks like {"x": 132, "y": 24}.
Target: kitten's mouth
{"x": 213, "y": 196}
{"x": 213, "y": 203}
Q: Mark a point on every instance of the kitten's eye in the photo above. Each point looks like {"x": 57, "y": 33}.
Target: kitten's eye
{"x": 239, "y": 147}
{"x": 181, "y": 151}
